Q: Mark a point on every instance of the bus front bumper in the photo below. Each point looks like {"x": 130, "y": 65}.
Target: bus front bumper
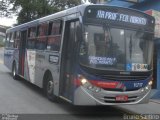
{"x": 83, "y": 96}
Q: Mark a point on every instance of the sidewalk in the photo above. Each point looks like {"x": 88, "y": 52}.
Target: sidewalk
{"x": 153, "y": 107}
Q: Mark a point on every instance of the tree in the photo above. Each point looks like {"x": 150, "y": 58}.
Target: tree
{"x": 33, "y": 9}
{"x": 5, "y": 8}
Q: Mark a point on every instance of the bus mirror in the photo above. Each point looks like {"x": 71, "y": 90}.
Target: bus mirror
{"x": 86, "y": 37}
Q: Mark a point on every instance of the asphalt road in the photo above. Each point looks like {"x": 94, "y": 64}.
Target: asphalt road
{"x": 22, "y": 98}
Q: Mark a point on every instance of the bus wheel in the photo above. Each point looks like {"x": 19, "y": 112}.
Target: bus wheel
{"x": 14, "y": 70}
{"x": 49, "y": 88}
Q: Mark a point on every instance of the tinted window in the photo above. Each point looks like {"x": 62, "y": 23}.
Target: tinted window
{"x": 54, "y": 38}
{"x": 16, "y": 39}
{"x": 43, "y": 29}
{"x": 55, "y": 27}
{"x": 31, "y": 38}
{"x": 7, "y": 40}
{"x": 42, "y": 36}
{"x": 116, "y": 49}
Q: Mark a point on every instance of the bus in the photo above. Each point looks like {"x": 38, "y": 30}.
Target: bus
{"x": 87, "y": 55}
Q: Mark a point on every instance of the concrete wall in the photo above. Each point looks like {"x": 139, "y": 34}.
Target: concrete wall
{"x": 119, "y": 3}
{"x": 143, "y": 5}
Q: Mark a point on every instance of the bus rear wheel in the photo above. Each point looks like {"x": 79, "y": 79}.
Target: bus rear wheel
{"x": 49, "y": 88}
{"x": 14, "y": 71}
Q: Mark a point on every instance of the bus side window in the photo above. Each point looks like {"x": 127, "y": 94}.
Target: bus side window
{"x": 11, "y": 40}
{"x": 42, "y": 36}
{"x": 17, "y": 39}
{"x": 7, "y": 40}
{"x": 31, "y": 38}
{"x": 14, "y": 40}
{"x": 54, "y": 37}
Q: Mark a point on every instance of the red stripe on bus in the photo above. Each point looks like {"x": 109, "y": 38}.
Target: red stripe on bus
{"x": 101, "y": 84}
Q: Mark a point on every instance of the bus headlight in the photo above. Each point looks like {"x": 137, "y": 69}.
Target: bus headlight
{"x": 150, "y": 83}
{"x": 85, "y": 83}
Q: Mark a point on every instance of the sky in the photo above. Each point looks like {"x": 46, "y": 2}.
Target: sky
{"x": 8, "y": 21}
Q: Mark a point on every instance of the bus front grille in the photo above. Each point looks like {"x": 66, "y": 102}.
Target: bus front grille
{"x": 122, "y": 77}
{"x": 113, "y": 99}
{"x": 119, "y": 90}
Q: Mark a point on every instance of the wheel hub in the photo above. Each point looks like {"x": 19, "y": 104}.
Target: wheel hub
{"x": 50, "y": 87}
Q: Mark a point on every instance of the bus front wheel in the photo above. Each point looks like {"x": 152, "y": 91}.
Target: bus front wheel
{"x": 49, "y": 88}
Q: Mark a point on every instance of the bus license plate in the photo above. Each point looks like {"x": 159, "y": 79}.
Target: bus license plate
{"x": 122, "y": 98}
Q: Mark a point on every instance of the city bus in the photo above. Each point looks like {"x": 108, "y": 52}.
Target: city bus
{"x": 87, "y": 55}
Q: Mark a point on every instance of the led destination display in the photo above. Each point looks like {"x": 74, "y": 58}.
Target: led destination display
{"x": 121, "y": 17}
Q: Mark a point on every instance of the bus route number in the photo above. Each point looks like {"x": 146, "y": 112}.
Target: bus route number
{"x": 138, "y": 85}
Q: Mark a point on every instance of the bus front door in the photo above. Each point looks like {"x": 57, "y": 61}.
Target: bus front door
{"x": 68, "y": 59}
{"x": 22, "y": 48}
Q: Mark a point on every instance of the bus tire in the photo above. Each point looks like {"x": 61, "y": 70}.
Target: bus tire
{"x": 14, "y": 71}
{"x": 49, "y": 87}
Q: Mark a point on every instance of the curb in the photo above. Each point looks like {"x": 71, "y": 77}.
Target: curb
{"x": 154, "y": 101}
{"x": 155, "y": 94}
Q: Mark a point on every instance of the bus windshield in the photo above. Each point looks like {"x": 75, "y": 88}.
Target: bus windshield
{"x": 109, "y": 48}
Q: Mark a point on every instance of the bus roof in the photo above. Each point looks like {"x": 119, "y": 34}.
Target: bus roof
{"x": 61, "y": 14}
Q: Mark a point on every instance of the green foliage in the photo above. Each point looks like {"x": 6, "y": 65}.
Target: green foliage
{"x": 5, "y": 8}
{"x": 33, "y": 9}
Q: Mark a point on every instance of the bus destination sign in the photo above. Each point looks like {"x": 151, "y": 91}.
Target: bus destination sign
{"x": 101, "y": 14}
{"x": 114, "y": 16}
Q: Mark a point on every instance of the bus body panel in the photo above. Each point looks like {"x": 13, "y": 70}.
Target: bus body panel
{"x": 38, "y": 62}
{"x": 8, "y": 58}
{"x": 85, "y": 97}
{"x": 11, "y": 55}
{"x": 52, "y": 64}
